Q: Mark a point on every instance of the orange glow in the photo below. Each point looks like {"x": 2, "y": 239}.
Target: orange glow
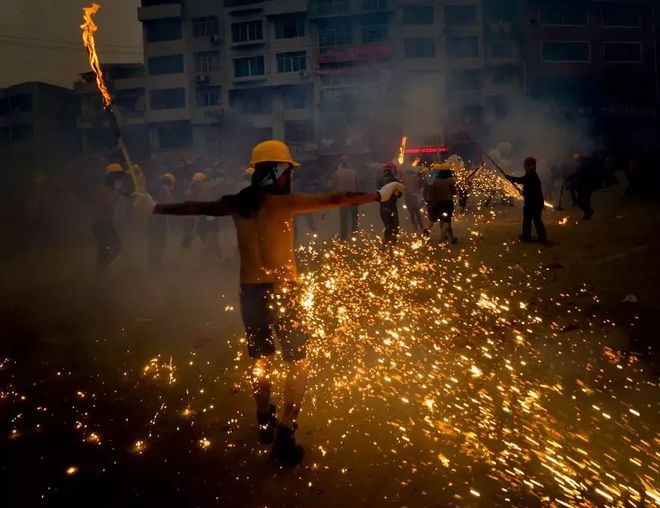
{"x": 402, "y": 149}
{"x": 88, "y": 29}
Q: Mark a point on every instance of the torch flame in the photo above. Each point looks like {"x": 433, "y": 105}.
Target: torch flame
{"x": 563, "y": 221}
{"x": 402, "y": 149}
{"x": 88, "y": 28}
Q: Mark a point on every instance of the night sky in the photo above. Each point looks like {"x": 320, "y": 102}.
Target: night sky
{"x": 40, "y": 39}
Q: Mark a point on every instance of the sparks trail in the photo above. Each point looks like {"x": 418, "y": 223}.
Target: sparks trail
{"x": 445, "y": 367}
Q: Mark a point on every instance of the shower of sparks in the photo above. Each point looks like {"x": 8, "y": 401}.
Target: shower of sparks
{"x": 446, "y": 367}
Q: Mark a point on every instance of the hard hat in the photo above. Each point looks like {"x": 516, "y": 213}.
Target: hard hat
{"x": 114, "y": 168}
{"x": 272, "y": 151}
{"x": 199, "y": 177}
{"x": 438, "y": 166}
{"x": 170, "y": 177}
{"x": 389, "y": 166}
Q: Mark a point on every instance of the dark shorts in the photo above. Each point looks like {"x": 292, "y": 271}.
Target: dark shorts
{"x": 267, "y": 312}
{"x": 442, "y": 211}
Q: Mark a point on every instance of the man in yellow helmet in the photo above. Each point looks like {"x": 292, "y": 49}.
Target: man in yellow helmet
{"x": 439, "y": 192}
{"x": 115, "y": 184}
{"x": 263, "y": 215}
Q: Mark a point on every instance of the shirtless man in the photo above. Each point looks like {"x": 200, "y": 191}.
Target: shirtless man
{"x": 263, "y": 216}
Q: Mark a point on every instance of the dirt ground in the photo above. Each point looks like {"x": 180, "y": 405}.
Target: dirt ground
{"x": 131, "y": 391}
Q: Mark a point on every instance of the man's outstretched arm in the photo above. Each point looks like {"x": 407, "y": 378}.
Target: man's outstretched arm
{"x": 212, "y": 208}
{"x": 308, "y": 203}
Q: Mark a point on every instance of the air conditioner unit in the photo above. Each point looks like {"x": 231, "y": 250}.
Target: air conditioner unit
{"x": 215, "y": 39}
{"x": 201, "y": 78}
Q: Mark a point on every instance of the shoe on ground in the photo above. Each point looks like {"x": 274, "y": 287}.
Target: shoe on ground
{"x": 286, "y": 453}
{"x": 267, "y": 423}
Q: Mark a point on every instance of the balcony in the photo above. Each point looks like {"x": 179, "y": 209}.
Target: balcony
{"x": 370, "y": 6}
{"x": 159, "y": 11}
{"x": 354, "y": 52}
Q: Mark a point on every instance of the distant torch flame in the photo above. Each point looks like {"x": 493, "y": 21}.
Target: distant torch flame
{"x": 548, "y": 204}
{"x": 402, "y": 149}
{"x": 88, "y": 29}
{"x": 564, "y": 221}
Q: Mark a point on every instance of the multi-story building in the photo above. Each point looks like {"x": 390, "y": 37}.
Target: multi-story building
{"x": 596, "y": 59}
{"x": 37, "y": 123}
{"x": 126, "y": 84}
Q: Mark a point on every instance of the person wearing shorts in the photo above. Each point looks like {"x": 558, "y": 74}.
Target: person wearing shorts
{"x": 439, "y": 192}
{"x": 263, "y": 215}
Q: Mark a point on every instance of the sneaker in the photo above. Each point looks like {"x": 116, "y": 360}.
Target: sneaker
{"x": 267, "y": 423}
{"x": 285, "y": 452}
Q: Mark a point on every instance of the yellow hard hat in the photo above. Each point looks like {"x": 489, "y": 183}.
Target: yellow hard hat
{"x": 437, "y": 166}
{"x": 199, "y": 177}
{"x": 170, "y": 177}
{"x": 272, "y": 151}
{"x": 114, "y": 168}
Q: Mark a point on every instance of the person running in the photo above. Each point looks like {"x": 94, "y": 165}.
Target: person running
{"x": 389, "y": 211}
{"x": 263, "y": 216}
{"x": 106, "y": 198}
{"x": 345, "y": 179}
{"x": 439, "y": 192}
{"x": 533, "y": 201}
{"x": 410, "y": 178}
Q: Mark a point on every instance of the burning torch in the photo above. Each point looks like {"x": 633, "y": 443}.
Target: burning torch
{"x": 88, "y": 28}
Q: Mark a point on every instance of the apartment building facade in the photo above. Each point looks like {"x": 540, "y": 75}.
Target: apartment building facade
{"x": 328, "y": 76}
{"x": 596, "y": 59}
{"x": 37, "y": 123}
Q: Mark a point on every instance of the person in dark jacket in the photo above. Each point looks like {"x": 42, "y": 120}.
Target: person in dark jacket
{"x": 389, "y": 211}
{"x": 533, "y": 201}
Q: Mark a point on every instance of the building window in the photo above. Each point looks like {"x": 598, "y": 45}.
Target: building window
{"x": 247, "y": 31}
{"x": 254, "y": 101}
{"x": 171, "y": 64}
{"x": 4, "y": 107}
{"x": 22, "y": 132}
{"x": 621, "y": 15}
{"x": 207, "y": 61}
{"x": 623, "y": 52}
{"x": 206, "y": 26}
{"x": 463, "y": 47}
{"x": 566, "y": 51}
{"x": 205, "y": 97}
{"x": 164, "y": 29}
{"x": 466, "y": 80}
{"x": 294, "y": 61}
{"x": 331, "y": 7}
{"x": 335, "y": 34}
{"x": 299, "y": 132}
{"x": 149, "y": 3}
{"x": 499, "y": 105}
{"x": 501, "y": 49}
{"x": 21, "y": 103}
{"x": 249, "y": 66}
{"x": 504, "y": 74}
{"x": 297, "y": 97}
{"x": 418, "y": 15}
{"x": 461, "y": 15}
{"x": 168, "y": 98}
{"x": 289, "y": 26}
{"x": 374, "y": 28}
{"x": 174, "y": 135}
{"x": 419, "y": 47}
{"x": 563, "y": 13}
